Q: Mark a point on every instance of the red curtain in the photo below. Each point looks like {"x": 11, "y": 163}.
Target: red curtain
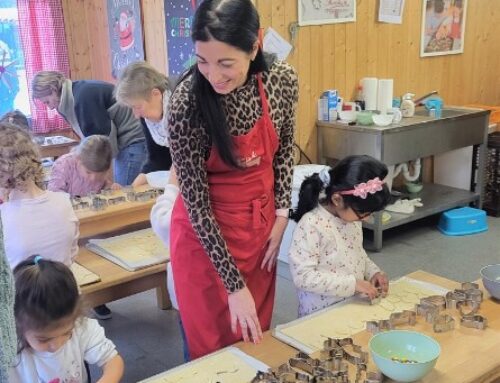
{"x": 41, "y": 26}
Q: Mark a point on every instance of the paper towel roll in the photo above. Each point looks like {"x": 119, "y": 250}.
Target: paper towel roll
{"x": 384, "y": 96}
{"x": 370, "y": 92}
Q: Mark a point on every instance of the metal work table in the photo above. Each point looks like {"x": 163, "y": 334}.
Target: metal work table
{"x": 412, "y": 138}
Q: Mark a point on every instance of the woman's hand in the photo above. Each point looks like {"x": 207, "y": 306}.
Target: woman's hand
{"x": 365, "y": 287}
{"x": 273, "y": 243}
{"x": 115, "y": 186}
{"x": 243, "y": 312}
{"x": 380, "y": 280}
{"x": 140, "y": 180}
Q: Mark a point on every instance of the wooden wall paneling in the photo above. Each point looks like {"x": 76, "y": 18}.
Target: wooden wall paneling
{"x": 154, "y": 29}
{"x": 363, "y": 40}
{"x": 340, "y": 60}
{"x": 99, "y": 45}
{"x": 75, "y": 24}
{"x": 305, "y": 118}
{"x": 351, "y": 74}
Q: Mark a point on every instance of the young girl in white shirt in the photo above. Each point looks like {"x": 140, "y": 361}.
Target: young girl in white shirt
{"x": 55, "y": 340}
{"x": 35, "y": 221}
{"x": 327, "y": 259}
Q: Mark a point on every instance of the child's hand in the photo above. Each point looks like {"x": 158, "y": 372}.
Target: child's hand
{"x": 380, "y": 281}
{"x": 115, "y": 186}
{"x": 365, "y": 287}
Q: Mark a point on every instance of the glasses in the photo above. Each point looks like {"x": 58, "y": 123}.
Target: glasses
{"x": 362, "y": 216}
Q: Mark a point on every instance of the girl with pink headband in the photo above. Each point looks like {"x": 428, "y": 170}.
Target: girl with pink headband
{"x": 327, "y": 259}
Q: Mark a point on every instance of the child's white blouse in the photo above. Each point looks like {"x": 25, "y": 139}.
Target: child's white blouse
{"x": 87, "y": 342}
{"x": 326, "y": 258}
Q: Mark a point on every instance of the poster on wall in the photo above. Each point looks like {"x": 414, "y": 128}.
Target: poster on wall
{"x": 316, "y": 12}
{"x": 180, "y": 49}
{"x": 443, "y": 27}
{"x": 125, "y": 34}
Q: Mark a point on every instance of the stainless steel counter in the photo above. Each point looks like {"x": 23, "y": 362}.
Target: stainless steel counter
{"x": 412, "y": 138}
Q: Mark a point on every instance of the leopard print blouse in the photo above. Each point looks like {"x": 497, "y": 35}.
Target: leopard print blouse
{"x": 190, "y": 147}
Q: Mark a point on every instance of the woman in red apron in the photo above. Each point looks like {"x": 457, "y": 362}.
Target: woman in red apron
{"x": 231, "y": 132}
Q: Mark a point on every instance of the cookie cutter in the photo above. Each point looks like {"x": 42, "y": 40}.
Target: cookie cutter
{"x": 98, "y": 203}
{"x": 427, "y": 311}
{"x": 405, "y": 317}
{"x": 443, "y": 323}
{"x": 474, "y": 321}
{"x": 79, "y": 204}
{"x": 453, "y": 298}
{"x": 468, "y": 307}
{"x": 375, "y": 327}
{"x": 264, "y": 377}
{"x": 435, "y": 300}
{"x": 106, "y": 192}
{"x": 116, "y": 200}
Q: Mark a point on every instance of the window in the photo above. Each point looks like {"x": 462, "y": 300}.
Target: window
{"x": 13, "y": 84}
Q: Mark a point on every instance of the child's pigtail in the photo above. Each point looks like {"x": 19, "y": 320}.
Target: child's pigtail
{"x": 309, "y": 193}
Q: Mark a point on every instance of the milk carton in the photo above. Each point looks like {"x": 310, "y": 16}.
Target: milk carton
{"x": 329, "y": 105}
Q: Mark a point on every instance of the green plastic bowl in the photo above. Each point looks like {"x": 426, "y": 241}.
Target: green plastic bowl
{"x": 411, "y": 345}
{"x": 413, "y": 187}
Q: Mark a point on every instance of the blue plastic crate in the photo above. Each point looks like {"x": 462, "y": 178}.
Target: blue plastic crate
{"x": 463, "y": 221}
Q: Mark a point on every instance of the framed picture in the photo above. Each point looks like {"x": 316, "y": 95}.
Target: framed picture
{"x": 443, "y": 27}
{"x": 316, "y": 12}
{"x": 125, "y": 34}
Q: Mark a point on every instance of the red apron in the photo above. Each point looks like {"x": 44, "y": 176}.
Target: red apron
{"x": 242, "y": 202}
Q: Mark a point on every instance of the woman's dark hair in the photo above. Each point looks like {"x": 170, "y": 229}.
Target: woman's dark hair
{"x": 46, "y": 292}
{"x": 346, "y": 174}
{"x": 236, "y": 23}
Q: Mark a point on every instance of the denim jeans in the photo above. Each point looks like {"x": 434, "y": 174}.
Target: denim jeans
{"x": 129, "y": 161}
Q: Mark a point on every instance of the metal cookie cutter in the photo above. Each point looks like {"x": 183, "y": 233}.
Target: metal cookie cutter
{"x": 264, "y": 377}
{"x": 443, "y": 323}
{"x": 106, "y": 192}
{"x": 286, "y": 374}
{"x": 98, "y": 203}
{"x": 468, "y": 307}
{"x": 116, "y": 200}
{"x": 429, "y": 312}
{"x": 377, "y": 326}
{"x": 79, "y": 204}
{"x": 357, "y": 357}
{"x": 474, "y": 321}
{"x": 435, "y": 300}
{"x": 453, "y": 298}
{"x": 405, "y": 317}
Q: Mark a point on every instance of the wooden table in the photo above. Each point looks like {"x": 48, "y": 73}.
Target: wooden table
{"x": 60, "y": 149}
{"x": 467, "y": 355}
{"x": 115, "y": 217}
{"x": 117, "y": 283}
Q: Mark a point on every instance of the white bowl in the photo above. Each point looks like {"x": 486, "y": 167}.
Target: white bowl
{"x": 382, "y": 119}
{"x": 348, "y": 115}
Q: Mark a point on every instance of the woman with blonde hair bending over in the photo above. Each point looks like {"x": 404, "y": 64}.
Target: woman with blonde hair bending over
{"x": 90, "y": 108}
{"x": 147, "y": 92}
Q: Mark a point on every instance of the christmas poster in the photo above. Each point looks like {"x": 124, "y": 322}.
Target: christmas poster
{"x": 179, "y": 18}
{"x": 125, "y": 33}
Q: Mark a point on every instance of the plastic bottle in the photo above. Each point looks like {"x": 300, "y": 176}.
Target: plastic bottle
{"x": 408, "y": 105}
{"x": 359, "y": 97}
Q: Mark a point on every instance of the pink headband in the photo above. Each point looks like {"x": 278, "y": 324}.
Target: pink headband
{"x": 363, "y": 189}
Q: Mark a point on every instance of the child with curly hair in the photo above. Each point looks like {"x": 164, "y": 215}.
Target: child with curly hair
{"x": 35, "y": 221}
